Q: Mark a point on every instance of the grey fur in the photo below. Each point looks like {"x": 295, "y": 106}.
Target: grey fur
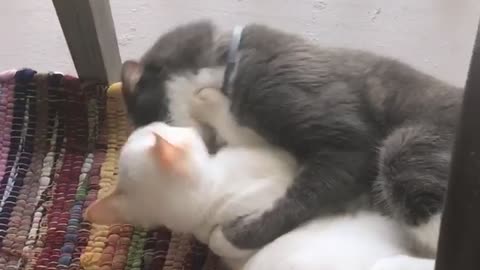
{"x": 358, "y": 122}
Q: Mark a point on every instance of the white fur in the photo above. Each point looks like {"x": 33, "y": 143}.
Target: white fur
{"x": 152, "y": 195}
{"x": 220, "y": 188}
{"x": 403, "y": 262}
{"x": 345, "y": 242}
{"x": 180, "y": 89}
{"x": 209, "y": 106}
{"x": 426, "y": 235}
{"x": 245, "y": 178}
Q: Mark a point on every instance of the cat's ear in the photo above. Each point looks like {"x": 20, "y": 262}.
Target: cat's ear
{"x": 131, "y": 73}
{"x": 105, "y": 211}
{"x": 170, "y": 157}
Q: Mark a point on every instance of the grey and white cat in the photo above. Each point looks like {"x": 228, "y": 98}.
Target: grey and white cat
{"x": 356, "y": 122}
{"x": 167, "y": 177}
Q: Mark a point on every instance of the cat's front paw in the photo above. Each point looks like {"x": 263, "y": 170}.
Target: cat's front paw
{"x": 250, "y": 231}
{"x": 404, "y": 262}
{"x": 206, "y": 104}
{"x": 220, "y": 245}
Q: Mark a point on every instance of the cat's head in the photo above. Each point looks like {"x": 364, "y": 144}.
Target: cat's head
{"x": 159, "y": 181}
{"x": 182, "y": 52}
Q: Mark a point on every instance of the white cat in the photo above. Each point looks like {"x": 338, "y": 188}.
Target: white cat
{"x": 167, "y": 177}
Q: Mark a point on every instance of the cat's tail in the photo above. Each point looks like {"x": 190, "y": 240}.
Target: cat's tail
{"x": 413, "y": 173}
{"x": 414, "y": 163}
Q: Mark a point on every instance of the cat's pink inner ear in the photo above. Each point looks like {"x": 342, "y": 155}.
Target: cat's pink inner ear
{"x": 131, "y": 73}
{"x": 168, "y": 156}
{"x": 105, "y": 211}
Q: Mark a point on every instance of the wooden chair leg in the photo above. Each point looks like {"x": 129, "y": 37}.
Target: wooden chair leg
{"x": 90, "y": 34}
{"x": 459, "y": 244}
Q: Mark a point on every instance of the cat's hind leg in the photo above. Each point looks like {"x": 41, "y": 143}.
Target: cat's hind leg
{"x": 411, "y": 184}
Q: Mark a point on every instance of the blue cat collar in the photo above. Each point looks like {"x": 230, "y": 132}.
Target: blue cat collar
{"x": 232, "y": 58}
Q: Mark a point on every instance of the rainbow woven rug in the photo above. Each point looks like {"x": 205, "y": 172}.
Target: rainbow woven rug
{"x": 60, "y": 139}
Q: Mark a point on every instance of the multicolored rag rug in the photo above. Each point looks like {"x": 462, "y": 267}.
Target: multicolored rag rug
{"x": 60, "y": 139}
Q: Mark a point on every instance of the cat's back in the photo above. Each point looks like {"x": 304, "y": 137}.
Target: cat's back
{"x": 277, "y": 55}
{"x": 281, "y": 68}
{"x": 400, "y": 93}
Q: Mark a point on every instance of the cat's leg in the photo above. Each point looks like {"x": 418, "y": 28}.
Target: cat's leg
{"x": 210, "y": 107}
{"x": 212, "y": 141}
{"x": 320, "y": 184}
{"x": 327, "y": 135}
{"x": 411, "y": 185}
{"x": 223, "y": 248}
{"x": 404, "y": 262}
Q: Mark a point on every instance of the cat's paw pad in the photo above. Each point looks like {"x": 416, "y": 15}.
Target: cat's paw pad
{"x": 403, "y": 262}
{"x": 220, "y": 245}
{"x": 207, "y": 102}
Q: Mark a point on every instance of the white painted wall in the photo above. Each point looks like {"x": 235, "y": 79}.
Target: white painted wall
{"x": 433, "y": 35}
